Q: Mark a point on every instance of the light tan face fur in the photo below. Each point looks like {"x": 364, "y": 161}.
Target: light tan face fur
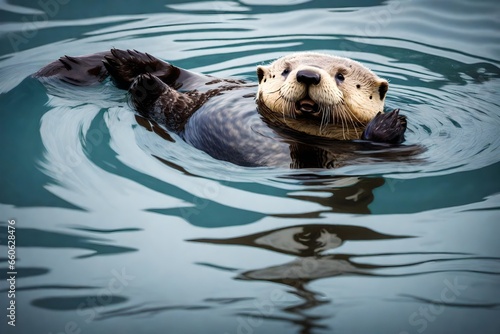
{"x": 344, "y": 99}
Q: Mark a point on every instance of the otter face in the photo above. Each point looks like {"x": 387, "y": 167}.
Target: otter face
{"x": 318, "y": 93}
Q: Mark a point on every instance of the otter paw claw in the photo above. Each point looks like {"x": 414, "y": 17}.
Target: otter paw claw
{"x": 386, "y": 128}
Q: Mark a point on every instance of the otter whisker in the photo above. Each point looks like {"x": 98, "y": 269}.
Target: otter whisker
{"x": 342, "y": 116}
{"x": 349, "y": 122}
{"x": 273, "y": 91}
{"x": 345, "y": 121}
{"x": 322, "y": 123}
{"x": 281, "y": 97}
{"x": 289, "y": 105}
{"x": 353, "y": 123}
{"x": 291, "y": 109}
{"x": 355, "y": 118}
{"x": 325, "y": 114}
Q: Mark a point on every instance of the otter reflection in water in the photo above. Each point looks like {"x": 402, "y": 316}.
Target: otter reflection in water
{"x": 309, "y": 244}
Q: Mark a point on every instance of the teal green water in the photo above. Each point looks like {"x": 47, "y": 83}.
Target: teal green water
{"x": 118, "y": 230}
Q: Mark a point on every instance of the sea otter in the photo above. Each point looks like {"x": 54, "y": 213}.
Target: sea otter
{"x": 308, "y": 109}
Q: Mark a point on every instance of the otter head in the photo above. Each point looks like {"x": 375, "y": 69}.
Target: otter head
{"x": 320, "y": 94}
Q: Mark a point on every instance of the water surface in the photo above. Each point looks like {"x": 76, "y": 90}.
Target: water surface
{"x": 119, "y": 230}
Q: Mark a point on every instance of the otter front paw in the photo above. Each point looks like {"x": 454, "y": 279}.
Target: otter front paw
{"x": 386, "y": 128}
{"x": 145, "y": 90}
{"x": 155, "y": 100}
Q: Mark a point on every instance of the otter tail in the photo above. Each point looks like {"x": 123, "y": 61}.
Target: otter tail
{"x": 123, "y": 67}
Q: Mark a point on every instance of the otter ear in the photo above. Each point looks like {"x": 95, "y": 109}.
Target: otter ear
{"x": 262, "y": 71}
{"x": 382, "y": 89}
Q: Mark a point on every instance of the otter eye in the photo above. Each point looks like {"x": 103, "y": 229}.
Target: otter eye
{"x": 285, "y": 72}
{"x": 339, "y": 77}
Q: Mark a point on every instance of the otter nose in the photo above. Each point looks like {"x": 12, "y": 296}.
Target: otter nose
{"x": 308, "y": 77}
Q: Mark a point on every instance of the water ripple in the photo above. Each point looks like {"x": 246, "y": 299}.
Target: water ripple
{"x": 198, "y": 234}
